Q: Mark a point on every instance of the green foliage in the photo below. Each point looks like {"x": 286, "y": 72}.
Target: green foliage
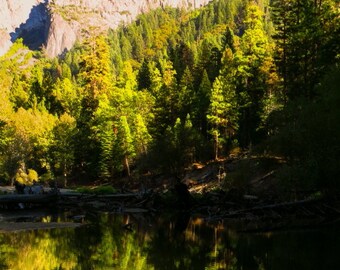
{"x": 223, "y": 110}
{"x": 256, "y": 74}
{"x": 180, "y": 146}
{"x": 124, "y": 142}
{"x": 142, "y": 136}
{"x": 67, "y": 95}
{"x": 307, "y": 38}
{"x": 310, "y": 131}
{"x": 201, "y": 102}
{"x": 161, "y": 90}
{"x": 95, "y": 73}
{"x": 95, "y": 77}
{"x": 61, "y": 152}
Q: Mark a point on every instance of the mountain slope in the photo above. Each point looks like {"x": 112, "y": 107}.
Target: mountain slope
{"x": 57, "y": 24}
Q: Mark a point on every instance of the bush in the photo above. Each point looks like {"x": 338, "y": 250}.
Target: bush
{"x": 32, "y": 175}
{"x": 26, "y": 178}
{"x": 46, "y": 177}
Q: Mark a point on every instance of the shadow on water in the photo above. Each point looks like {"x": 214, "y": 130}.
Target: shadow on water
{"x": 170, "y": 241}
{"x": 35, "y": 30}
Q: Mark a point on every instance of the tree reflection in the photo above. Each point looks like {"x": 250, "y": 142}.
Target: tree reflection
{"x": 180, "y": 244}
{"x": 197, "y": 246}
{"x": 176, "y": 242}
{"x": 37, "y": 250}
{"x": 165, "y": 243}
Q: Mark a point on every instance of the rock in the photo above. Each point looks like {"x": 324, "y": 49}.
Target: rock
{"x": 27, "y": 19}
{"x": 57, "y": 24}
{"x": 61, "y": 36}
{"x": 184, "y": 198}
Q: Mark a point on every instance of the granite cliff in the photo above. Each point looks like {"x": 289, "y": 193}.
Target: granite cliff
{"x": 57, "y": 24}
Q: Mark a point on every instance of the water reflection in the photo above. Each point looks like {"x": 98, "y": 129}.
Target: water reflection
{"x": 168, "y": 242}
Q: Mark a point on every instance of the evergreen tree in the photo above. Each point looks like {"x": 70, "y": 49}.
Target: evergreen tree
{"x": 142, "y": 136}
{"x": 96, "y": 80}
{"x": 124, "y": 143}
{"x": 223, "y": 112}
{"x": 307, "y": 37}
{"x": 254, "y": 53}
{"x": 61, "y": 150}
{"x": 186, "y": 94}
{"x": 201, "y": 103}
{"x": 183, "y": 59}
{"x": 144, "y": 80}
{"x": 166, "y": 99}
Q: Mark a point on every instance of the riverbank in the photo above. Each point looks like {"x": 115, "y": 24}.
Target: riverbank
{"x": 244, "y": 189}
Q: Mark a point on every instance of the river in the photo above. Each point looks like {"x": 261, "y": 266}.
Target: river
{"x": 167, "y": 242}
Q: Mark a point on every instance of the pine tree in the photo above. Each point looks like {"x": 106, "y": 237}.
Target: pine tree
{"x": 201, "y": 103}
{"x": 144, "y": 80}
{"x": 186, "y": 94}
{"x": 166, "y": 98}
{"x": 307, "y": 38}
{"x": 253, "y": 58}
{"x": 223, "y": 111}
{"x": 124, "y": 142}
{"x": 96, "y": 80}
{"x": 142, "y": 136}
{"x": 61, "y": 150}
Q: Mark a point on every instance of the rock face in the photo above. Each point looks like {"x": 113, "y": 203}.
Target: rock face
{"x": 61, "y": 36}
{"x": 57, "y": 24}
{"x": 18, "y": 17}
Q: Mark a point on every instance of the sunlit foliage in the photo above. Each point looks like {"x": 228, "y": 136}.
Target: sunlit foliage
{"x": 169, "y": 89}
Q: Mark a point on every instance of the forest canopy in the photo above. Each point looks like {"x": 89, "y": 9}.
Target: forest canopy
{"x": 176, "y": 87}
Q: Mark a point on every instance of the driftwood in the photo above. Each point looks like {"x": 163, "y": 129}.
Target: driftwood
{"x": 28, "y": 198}
{"x": 117, "y": 203}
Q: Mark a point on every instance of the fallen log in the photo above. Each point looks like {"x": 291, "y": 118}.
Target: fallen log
{"x": 259, "y": 179}
{"x": 284, "y": 204}
{"x": 133, "y": 210}
{"x": 270, "y": 207}
{"x": 28, "y": 198}
{"x": 109, "y": 196}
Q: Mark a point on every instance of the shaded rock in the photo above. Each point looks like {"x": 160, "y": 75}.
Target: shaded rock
{"x": 184, "y": 198}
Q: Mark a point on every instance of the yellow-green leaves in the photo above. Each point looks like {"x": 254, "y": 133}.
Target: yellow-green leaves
{"x": 96, "y": 71}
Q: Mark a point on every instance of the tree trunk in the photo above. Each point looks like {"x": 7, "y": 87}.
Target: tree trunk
{"x": 65, "y": 175}
{"x": 126, "y": 160}
{"x": 216, "y": 147}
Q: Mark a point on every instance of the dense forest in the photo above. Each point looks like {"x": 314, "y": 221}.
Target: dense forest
{"x": 177, "y": 87}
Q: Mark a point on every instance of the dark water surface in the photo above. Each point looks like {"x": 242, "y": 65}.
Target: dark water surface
{"x": 168, "y": 242}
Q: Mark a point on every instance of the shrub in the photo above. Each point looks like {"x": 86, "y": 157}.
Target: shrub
{"x": 32, "y": 175}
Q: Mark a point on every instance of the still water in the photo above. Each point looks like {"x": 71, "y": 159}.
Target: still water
{"x": 168, "y": 242}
